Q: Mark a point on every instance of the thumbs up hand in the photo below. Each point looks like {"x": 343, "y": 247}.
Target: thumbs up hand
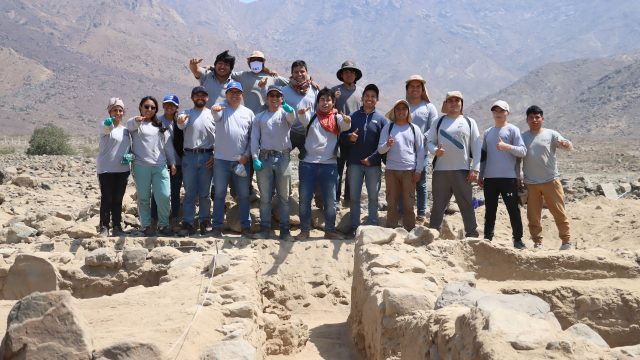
{"x": 502, "y": 146}
{"x": 263, "y": 82}
{"x": 390, "y": 142}
{"x": 440, "y": 150}
{"x": 353, "y": 137}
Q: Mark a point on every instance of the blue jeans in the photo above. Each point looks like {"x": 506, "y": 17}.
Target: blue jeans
{"x": 276, "y": 170}
{"x": 324, "y": 175}
{"x": 156, "y": 177}
{"x": 176, "y": 185}
{"x": 372, "y": 176}
{"x": 197, "y": 182}
{"x": 422, "y": 196}
{"x": 222, "y": 174}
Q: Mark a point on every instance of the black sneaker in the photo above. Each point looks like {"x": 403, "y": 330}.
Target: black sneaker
{"x": 117, "y": 231}
{"x": 285, "y": 235}
{"x": 149, "y": 231}
{"x": 518, "y": 244}
{"x": 216, "y": 233}
{"x": 165, "y": 231}
{"x": 103, "y": 232}
{"x": 203, "y": 227}
{"x": 187, "y": 229}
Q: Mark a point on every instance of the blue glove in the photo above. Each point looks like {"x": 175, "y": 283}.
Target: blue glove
{"x": 286, "y": 107}
{"x": 108, "y": 121}
{"x": 257, "y": 164}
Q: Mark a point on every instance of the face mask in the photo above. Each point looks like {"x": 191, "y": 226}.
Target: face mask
{"x": 256, "y": 66}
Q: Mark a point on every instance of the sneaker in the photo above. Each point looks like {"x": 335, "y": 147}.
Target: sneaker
{"x": 286, "y": 236}
{"x": 537, "y": 245}
{"x": 263, "y": 234}
{"x": 187, "y": 229}
{"x": 304, "y": 235}
{"x": 103, "y": 232}
{"x": 149, "y": 231}
{"x": 117, "y": 231}
{"x": 351, "y": 234}
{"x": 566, "y": 246}
{"x": 488, "y": 238}
{"x": 518, "y": 244}
{"x": 332, "y": 235}
{"x": 246, "y": 233}
{"x": 216, "y": 233}
{"x": 203, "y": 227}
{"x": 165, "y": 231}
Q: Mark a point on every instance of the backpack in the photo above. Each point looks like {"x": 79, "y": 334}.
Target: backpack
{"x": 435, "y": 158}
{"x": 415, "y": 139}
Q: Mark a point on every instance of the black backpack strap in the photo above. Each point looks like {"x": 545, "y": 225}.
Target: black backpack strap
{"x": 435, "y": 158}
{"x": 309, "y": 124}
{"x": 469, "y": 123}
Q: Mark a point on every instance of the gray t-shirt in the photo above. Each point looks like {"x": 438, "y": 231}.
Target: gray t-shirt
{"x": 539, "y": 165}
{"x": 350, "y": 100}
{"x": 299, "y": 101}
{"x": 407, "y": 151}
{"x": 321, "y": 144}
{"x": 149, "y": 144}
{"x": 456, "y": 138}
{"x": 114, "y": 143}
{"x": 199, "y": 129}
{"x": 215, "y": 88}
{"x": 251, "y": 92}
{"x": 423, "y": 114}
{"x": 270, "y": 131}
{"x": 233, "y": 131}
{"x": 502, "y": 164}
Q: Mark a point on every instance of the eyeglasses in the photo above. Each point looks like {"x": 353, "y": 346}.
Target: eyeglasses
{"x": 149, "y": 107}
{"x": 274, "y": 95}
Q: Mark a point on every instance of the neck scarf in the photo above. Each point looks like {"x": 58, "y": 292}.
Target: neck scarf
{"x": 301, "y": 87}
{"x": 328, "y": 120}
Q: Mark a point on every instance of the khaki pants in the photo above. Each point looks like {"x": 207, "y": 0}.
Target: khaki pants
{"x": 553, "y": 196}
{"x": 400, "y": 184}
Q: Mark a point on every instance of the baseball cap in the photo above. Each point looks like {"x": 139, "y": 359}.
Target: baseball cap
{"x": 501, "y": 104}
{"x": 274, "y": 88}
{"x": 171, "y": 98}
{"x": 233, "y": 85}
{"x": 199, "y": 89}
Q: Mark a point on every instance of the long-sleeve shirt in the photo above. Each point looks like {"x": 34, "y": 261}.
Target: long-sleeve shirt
{"x": 407, "y": 151}
{"x": 539, "y": 164}
{"x": 233, "y": 132}
{"x": 458, "y": 141}
{"x": 423, "y": 114}
{"x": 270, "y": 131}
{"x": 369, "y": 129}
{"x": 150, "y": 145}
{"x": 114, "y": 143}
{"x": 214, "y": 87}
{"x": 320, "y": 144}
{"x": 170, "y": 128}
{"x": 350, "y": 100}
{"x": 499, "y": 163}
{"x": 251, "y": 92}
{"x": 299, "y": 101}
{"x": 199, "y": 129}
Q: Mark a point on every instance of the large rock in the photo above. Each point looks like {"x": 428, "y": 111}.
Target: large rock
{"x": 585, "y": 332}
{"x": 19, "y": 232}
{"x": 25, "y": 181}
{"x": 608, "y": 190}
{"x": 459, "y": 293}
{"x": 103, "y": 257}
{"x": 29, "y": 274}
{"x": 53, "y": 226}
{"x": 164, "y": 255}
{"x": 188, "y": 265}
{"x": 368, "y": 234}
{"x": 222, "y": 262}
{"x": 421, "y": 236}
{"x": 134, "y": 258}
{"x": 225, "y": 350}
{"x": 129, "y": 351}
{"x": 400, "y": 302}
{"x": 81, "y": 231}
{"x": 45, "y": 326}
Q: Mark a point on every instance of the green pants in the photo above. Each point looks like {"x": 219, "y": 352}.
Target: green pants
{"x": 156, "y": 178}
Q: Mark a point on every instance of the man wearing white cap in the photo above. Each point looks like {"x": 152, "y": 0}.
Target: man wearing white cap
{"x": 503, "y": 146}
{"x": 455, "y": 141}
{"x": 232, "y": 155}
{"x": 423, "y": 113}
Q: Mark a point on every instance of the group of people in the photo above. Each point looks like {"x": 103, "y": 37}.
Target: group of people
{"x": 246, "y": 122}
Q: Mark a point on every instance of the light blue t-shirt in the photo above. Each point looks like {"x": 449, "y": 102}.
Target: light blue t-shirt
{"x": 270, "y": 131}
{"x": 150, "y": 145}
{"x": 199, "y": 129}
{"x": 407, "y": 151}
{"x": 233, "y": 132}
{"x": 299, "y": 101}
{"x": 539, "y": 165}
{"x": 502, "y": 164}
{"x": 114, "y": 143}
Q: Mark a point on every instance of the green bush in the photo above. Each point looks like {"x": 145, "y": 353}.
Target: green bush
{"x": 49, "y": 140}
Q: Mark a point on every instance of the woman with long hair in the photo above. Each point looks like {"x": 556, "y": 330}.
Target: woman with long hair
{"x": 153, "y": 151}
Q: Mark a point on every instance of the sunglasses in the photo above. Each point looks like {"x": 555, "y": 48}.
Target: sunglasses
{"x": 274, "y": 95}
{"x": 149, "y": 107}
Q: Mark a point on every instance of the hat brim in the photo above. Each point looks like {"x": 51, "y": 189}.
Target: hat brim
{"x": 172, "y": 102}
{"x": 232, "y": 88}
{"x": 423, "y": 81}
{"x": 358, "y": 73}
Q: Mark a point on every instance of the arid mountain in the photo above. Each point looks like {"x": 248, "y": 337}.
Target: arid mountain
{"x": 594, "y": 98}
{"x": 61, "y": 60}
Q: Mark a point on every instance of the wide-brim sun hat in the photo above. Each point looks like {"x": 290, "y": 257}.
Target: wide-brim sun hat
{"x": 351, "y": 66}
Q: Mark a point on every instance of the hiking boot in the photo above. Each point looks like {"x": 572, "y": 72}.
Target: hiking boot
{"x": 117, "y": 231}
{"x": 203, "y": 227}
{"x": 518, "y": 244}
{"x": 566, "y": 246}
{"x": 103, "y": 232}
{"x": 165, "y": 231}
{"x": 537, "y": 245}
{"x": 263, "y": 234}
{"x": 304, "y": 235}
{"x": 187, "y": 229}
{"x": 149, "y": 231}
{"x": 246, "y": 233}
{"x": 352, "y": 234}
{"x": 285, "y": 235}
{"x": 332, "y": 235}
{"x": 216, "y": 233}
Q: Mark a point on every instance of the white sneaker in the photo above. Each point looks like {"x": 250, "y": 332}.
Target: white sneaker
{"x": 566, "y": 246}
{"x": 537, "y": 246}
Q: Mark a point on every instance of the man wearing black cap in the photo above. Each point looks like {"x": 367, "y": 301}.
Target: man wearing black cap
{"x": 348, "y": 100}
{"x": 199, "y": 135}
{"x": 214, "y": 78}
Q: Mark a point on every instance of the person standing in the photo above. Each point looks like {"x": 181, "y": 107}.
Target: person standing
{"x": 233, "y": 123}
{"x": 199, "y": 136}
{"x": 402, "y": 142}
{"x": 151, "y": 145}
{"x": 215, "y": 78}
{"x": 363, "y": 160}
{"x": 319, "y": 165}
{"x": 456, "y": 144}
{"x": 112, "y": 168}
{"x": 348, "y": 100}
{"x": 503, "y": 146}
{"x": 423, "y": 113}
{"x": 300, "y": 94}
{"x": 270, "y": 150}
{"x": 541, "y": 177}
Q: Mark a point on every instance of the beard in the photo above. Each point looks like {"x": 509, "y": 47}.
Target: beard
{"x": 199, "y": 103}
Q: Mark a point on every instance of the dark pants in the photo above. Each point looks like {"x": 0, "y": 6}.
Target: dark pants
{"x": 447, "y": 183}
{"x": 342, "y": 165}
{"x": 112, "y": 188}
{"x": 297, "y": 141}
{"x": 508, "y": 189}
{"x": 176, "y": 185}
